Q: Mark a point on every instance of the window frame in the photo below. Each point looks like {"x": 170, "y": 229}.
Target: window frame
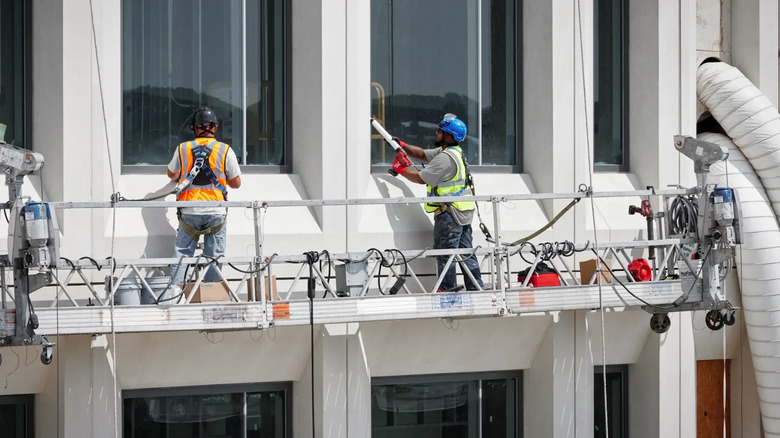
{"x": 623, "y": 167}
{"x": 184, "y": 391}
{"x": 28, "y": 400}
{"x": 421, "y": 379}
{"x": 287, "y": 68}
{"x": 518, "y": 105}
{"x": 26, "y": 79}
{"x": 623, "y": 371}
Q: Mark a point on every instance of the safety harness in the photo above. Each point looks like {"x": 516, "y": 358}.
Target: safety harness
{"x": 200, "y": 174}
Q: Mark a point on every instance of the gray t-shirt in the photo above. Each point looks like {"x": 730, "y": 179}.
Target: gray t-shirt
{"x": 232, "y": 170}
{"x": 441, "y": 167}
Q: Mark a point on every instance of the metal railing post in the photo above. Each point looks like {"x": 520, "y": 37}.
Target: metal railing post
{"x": 258, "y": 289}
{"x": 499, "y": 251}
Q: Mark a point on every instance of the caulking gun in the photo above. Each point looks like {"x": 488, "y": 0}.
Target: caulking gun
{"x": 393, "y": 144}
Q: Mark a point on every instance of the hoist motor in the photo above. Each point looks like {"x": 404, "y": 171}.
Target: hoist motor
{"x": 725, "y": 216}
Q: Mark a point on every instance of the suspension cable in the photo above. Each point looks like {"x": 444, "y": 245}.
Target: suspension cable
{"x": 113, "y": 220}
{"x": 593, "y": 217}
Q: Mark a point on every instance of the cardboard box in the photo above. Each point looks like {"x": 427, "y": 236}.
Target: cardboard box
{"x": 588, "y": 267}
{"x": 209, "y": 292}
{"x": 270, "y": 287}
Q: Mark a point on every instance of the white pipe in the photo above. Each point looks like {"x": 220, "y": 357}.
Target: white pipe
{"x": 753, "y": 170}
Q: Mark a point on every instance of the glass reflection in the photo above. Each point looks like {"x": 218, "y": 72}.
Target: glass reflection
{"x": 436, "y": 57}
{"x": 179, "y": 55}
{"x": 12, "y": 97}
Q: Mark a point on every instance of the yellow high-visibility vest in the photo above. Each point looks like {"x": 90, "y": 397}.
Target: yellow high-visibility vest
{"x": 455, "y": 186}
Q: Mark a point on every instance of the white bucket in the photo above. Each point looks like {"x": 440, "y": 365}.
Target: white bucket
{"x": 131, "y": 292}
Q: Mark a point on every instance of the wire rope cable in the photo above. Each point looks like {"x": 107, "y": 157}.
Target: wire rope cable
{"x": 593, "y": 217}
{"x": 113, "y": 221}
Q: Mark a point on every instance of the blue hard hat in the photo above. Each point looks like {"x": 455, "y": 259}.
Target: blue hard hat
{"x": 454, "y": 126}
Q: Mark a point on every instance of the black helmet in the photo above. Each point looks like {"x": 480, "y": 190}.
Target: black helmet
{"x": 203, "y": 116}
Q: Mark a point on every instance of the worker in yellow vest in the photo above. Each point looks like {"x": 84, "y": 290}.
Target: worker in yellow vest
{"x": 203, "y": 168}
{"x": 446, "y": 175}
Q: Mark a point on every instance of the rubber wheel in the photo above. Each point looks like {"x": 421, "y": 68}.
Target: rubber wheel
{"x": 660, "y": 323}
{"x": 729, "y": 318}
{"x": 714, "y": 320}
{"x": 46, "y": 355}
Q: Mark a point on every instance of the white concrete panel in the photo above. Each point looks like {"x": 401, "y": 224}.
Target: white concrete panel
{"x": 745, "y": 410}
{"x": 359, "y": 387}
{"x": 538, "y": 397}
{"x": 401, "y": 348}
{"x": 47, "y": 98}
{"x": 302, "y": 399}
{"x": 754, "y": 30}
{"x": 584, "y": 376}
{"x": 21, "y": 371}
{"x": 676, "y": 378}
{"x": 104, "y": 406}
{"x": 624, "y": 336}
{"x": 47, "y": 402}
{"x": 76, "y": 407}
{"x": 189, "y": 358}
{"x": 549, "y": 385}
{"x": 643, "y": 395}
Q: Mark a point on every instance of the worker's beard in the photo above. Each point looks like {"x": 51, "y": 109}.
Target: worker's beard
{"x": 440, "y": 143}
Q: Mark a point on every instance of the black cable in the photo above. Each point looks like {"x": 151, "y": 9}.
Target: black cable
{"x": 311, "y": 258}
{"x": 403, "y": 258}
{"x": 94, "y": 262}
{"x": 262, "y": 266}
{"x": 656, "y": 306}
{"x": 110, "y": 259}
{"x": 382, "y": 263}
{"x": 67, "y": 260}
{"x": 683, "y": 215}
{"x": 330, "y": 267}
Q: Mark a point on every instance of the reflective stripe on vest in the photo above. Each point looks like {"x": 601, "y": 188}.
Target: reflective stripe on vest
{"x": 455, "y": 186}
{"x": 216, "y": 161}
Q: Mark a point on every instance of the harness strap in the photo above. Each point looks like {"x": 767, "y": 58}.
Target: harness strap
{"x": 201, "y": 163}
{"x": 195, "y": 233}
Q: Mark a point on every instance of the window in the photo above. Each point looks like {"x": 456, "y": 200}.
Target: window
{"x": 610, "y": 96}
{"x": 14, "y": 25}
{"x": 16, "y": 416}
{"x": 617, "y": 401}
{"x": 447, "y": 56}
{"x": 180, "y": 55}
{"x": 447, "y": 406}
{"x": 201, "y": 412}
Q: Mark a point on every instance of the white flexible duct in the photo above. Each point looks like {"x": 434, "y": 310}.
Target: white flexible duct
{"x": 748, "y": 117}
{"x": 753, "y": 170}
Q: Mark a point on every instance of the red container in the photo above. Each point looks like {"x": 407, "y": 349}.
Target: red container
{"x": 541, "y": 280}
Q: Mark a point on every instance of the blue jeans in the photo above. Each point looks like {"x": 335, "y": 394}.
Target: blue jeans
{"x": 447, "y": 234}
{"x": 213, "y": 244}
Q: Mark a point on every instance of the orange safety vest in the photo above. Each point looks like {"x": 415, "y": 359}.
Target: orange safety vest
{"x": 202, "y": 187}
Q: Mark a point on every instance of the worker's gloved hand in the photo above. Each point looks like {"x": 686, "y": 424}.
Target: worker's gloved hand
{"x": 398, "y": 166}
{"x": 404, "y": 159}
{"x": 400, "y": 143}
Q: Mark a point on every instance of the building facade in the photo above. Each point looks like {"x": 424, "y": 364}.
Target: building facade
{"x": 556, "y": 94}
